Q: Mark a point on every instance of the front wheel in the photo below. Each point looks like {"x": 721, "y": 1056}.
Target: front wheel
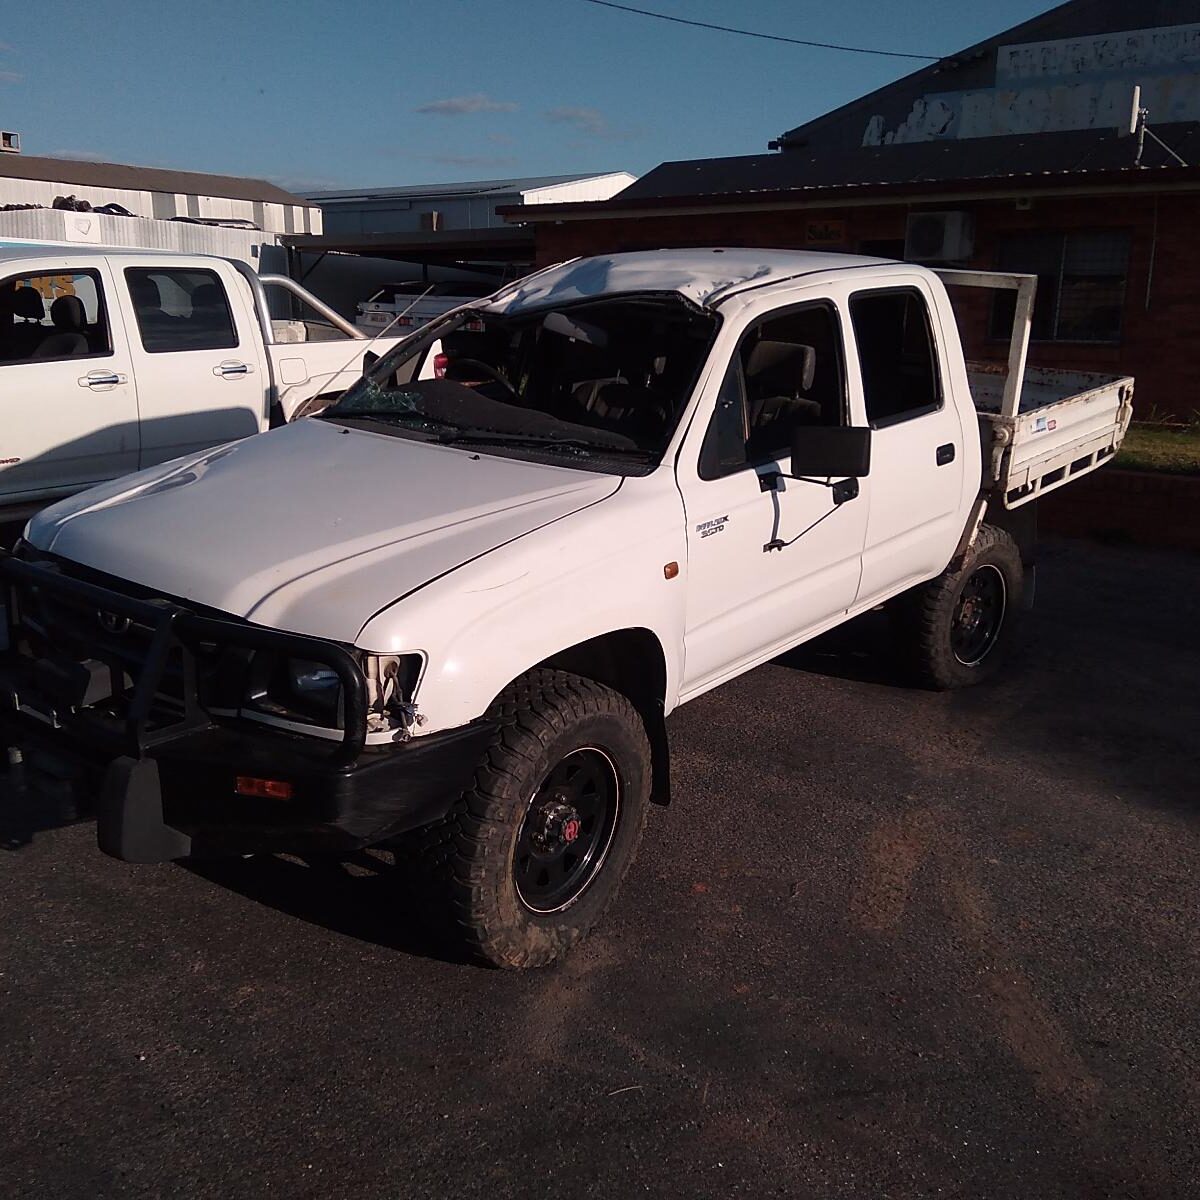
{"x": 956, "y": 630}
{"x": 535, "y": 851}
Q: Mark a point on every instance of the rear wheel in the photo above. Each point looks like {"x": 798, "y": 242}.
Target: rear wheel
{"x": 957, "y": 629}
{"x": 535, "y": 851}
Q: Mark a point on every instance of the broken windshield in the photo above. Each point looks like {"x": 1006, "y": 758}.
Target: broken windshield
{"x": 604, "y": 378}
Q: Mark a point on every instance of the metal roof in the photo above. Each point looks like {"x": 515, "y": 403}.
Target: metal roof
{"x": 705, "y": 276}
{"x": 1067, "y": 152}
{"x": 481, "y": 187}
{"x": 81, "y": 173}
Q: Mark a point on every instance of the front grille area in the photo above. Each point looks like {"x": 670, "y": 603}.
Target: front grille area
{"x": 123, "y": 670}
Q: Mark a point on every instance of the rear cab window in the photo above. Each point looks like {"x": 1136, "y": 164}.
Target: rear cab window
{"x": 896, "y": 354}
{"x": 48, "y": 316}
{"x": 180, "y": 309}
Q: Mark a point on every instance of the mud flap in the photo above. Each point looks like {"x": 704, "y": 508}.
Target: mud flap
{"x": 129, "y": 817}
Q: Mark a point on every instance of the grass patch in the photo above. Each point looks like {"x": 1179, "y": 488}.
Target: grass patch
{"x": 1158, "y": 448}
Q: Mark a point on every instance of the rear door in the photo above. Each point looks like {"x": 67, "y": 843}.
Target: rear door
{"x": 917, "y": 447}
{"x": 198, "y": 355}
{"x": 68, "y": 405}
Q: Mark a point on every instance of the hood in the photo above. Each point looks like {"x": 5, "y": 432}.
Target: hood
{"x": 312, "y": 528}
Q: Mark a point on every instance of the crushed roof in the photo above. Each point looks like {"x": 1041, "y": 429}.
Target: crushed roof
{"x": 704, "y": 276}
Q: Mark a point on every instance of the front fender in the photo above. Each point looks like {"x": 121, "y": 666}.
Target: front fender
{"x": 598, "y": 571}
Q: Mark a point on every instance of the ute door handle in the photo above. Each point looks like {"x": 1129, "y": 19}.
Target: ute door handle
{"x": 100, "y": 380}
{"x": 231, "y": 369}
{"x": 945, "y": 454}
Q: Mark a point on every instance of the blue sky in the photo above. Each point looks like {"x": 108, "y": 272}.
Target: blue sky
{"x": 354, "y": 93}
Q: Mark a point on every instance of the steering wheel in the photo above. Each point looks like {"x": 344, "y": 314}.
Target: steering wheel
{"x": 487, "y": 370}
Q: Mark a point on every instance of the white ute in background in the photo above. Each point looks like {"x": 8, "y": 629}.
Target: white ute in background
{"x": 115, "y": 360}
{"x": 489, "y": 572}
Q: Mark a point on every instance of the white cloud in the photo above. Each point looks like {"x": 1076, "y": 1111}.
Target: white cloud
{"x": 458, "y": 106}
{"x": 588, "y": 120}
{"x": 11, "y": 76}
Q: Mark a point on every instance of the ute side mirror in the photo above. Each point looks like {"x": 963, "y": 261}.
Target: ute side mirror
{"x": 370, "y": 358}
{"x": 827, "y": 452}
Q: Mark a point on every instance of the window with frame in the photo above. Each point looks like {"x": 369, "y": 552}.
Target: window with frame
{"x": 788, "y": 371}
{"x": 180, "y": 310}
{"x": 53, "y": 315}
{"x": 896, "y": 355}
{"x": 1081, "y": 284}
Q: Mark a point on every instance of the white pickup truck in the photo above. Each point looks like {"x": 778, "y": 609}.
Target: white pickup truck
{"x": 114, "y": 360}
{"x": 489, "y": 572}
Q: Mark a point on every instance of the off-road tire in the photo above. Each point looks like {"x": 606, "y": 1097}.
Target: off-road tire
{"x": 924, "y": 618}
{"x": 469, "y": 858}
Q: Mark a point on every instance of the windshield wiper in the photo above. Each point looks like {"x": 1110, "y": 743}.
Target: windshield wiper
{"x": 482, "y": 436}
{"x": 395, "y": 417}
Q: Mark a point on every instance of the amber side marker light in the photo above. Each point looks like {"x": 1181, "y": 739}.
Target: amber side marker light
{"x": 269, "y": 789}
{"x": 670, "y": 570}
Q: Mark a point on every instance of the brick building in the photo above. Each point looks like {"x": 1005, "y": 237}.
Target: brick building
{"x": 1018, "y": 153}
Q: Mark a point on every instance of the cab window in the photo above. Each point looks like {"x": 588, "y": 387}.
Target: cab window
{"x": 50, "y": 316}
{"x": 895, "y": 351}
{"x": 788, "y": 371}
{"x": 180, "y": 310}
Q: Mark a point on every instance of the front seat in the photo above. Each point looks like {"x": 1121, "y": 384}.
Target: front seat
{"x": 29, "y": 309}
{"x": 68, "y": 340}
{"x": 778, "y": 374}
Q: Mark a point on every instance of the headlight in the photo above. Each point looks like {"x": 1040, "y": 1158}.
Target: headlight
{"x": 304, "y": 692}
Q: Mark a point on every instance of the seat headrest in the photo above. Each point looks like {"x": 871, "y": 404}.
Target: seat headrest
{"x": 783, "y": 367}
{"x": 207, "y": 295}
{"x": 27, "y": 302}
{"x": 68, "y": 314}
{"x": 144, "y": 291}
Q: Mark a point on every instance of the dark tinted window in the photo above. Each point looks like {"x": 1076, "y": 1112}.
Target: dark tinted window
{"x": 895, "y": 352}
{"x": 180, "y": 309}
{"x": 1081, "y": 285}
{"x": 787, "y": 372}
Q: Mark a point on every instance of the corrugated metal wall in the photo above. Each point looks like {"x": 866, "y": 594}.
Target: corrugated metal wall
{"x": 273, "y": 218}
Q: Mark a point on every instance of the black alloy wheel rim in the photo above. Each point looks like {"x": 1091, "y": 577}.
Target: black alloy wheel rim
{"x": 567, "y": 831}
{"x": 978, "y": 615}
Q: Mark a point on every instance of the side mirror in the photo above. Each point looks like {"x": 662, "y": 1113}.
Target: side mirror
{"x": 370, "y": 358}
{"x": 824, "y": 452}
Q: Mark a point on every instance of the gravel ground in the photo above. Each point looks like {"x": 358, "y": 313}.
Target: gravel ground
{"x": 884, "y": 943}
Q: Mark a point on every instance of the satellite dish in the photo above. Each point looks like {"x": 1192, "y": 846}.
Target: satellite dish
{"x": 1128, "y": 127}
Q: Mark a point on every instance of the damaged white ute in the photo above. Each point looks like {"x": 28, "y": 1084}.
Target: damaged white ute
{"x": 453, "y": 610}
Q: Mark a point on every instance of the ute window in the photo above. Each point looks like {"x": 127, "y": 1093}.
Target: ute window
{"x": 788, "y": 371}
{"x": 180, "y": 310}
{"x": 895, "y": 351}
{"x": 53, "y": 315}
{"x": 601, "y": 378}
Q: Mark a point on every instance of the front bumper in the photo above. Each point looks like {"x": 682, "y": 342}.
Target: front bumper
{"x": 165, "y": 786}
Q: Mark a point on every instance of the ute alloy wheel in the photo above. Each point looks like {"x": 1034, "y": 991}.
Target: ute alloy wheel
{"x": 567, "y": 830}
{"x": 979, "y": 615}
{"x": 535, "y": 850}
{"x": 956, "y": 630}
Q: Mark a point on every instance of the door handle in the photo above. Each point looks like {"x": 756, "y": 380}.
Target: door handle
{"x": 100, "y": 379}
{"x": 230, "y": 369}
{"x": 945, "y": 454}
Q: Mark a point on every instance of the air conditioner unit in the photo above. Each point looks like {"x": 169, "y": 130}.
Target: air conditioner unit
{"x": 431, "y": 222}
{"x": 10, "y": 143}
{"x": 939, "y": 237}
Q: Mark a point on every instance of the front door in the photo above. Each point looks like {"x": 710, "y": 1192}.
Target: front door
{"x": 68, "y": 404}
{"x": 769, "y": 558}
